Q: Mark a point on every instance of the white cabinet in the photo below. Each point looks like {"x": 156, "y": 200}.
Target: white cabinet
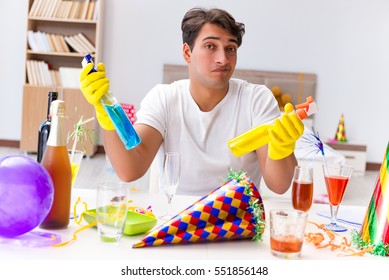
{"x": 355, "y": 155}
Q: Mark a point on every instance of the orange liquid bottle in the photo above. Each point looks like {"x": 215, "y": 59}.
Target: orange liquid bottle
{"x": 56, "y": 161}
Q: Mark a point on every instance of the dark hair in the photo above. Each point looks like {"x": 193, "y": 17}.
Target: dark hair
{"x": 195, "y": 18}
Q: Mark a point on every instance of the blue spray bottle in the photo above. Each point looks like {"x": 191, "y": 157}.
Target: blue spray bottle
{"x": 117, "y": 115}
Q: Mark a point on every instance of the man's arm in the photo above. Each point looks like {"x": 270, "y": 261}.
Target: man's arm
{"x": 276, "y": 159}
{"x": 277, "y": 174}
{"x": 132, "y": 164}
{"x": 128, "y": 164}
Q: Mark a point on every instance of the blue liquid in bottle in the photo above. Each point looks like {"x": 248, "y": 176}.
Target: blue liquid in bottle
{"x": 117, "y": 115}
{"x": 123, "y": 125}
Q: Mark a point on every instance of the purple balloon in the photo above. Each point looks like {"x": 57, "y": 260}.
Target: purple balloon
{"x": 26, "y": 195}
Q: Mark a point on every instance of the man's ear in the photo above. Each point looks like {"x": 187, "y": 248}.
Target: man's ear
{"x": 186, "y": 52}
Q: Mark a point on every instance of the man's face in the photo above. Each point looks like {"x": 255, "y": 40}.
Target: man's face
{"x": 213, "y": 58}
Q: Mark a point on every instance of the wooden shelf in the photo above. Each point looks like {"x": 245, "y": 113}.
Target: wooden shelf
{"x": 67, "y": 20}
{"x": 69, "y": 54}
{"x": 35, "y": 96}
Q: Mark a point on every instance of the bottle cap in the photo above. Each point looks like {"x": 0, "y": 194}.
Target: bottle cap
{"x": 57, "y": 108}
{"x": 53, "y": 93}
{"x": 88, "y": 59}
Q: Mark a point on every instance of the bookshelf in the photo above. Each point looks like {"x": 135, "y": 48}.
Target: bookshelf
{"x": 59, "y": 34}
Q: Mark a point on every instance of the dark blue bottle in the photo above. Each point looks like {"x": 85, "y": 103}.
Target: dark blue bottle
{"x": 44, "y": 129}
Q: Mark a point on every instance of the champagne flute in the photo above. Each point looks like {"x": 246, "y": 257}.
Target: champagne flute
{"x": 171, "y": 177}
{"x": 302, "y": 189}
{"x": 336, "y": 178}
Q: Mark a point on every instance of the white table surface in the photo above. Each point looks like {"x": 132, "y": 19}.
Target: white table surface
{"x": 89, "y": 247}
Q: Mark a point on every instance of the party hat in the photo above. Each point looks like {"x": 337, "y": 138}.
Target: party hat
{"x": 340, "y": 134}
{"x": 374, "y": 233}
{"x": 234, "y": 210}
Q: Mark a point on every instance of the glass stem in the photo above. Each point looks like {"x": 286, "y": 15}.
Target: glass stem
{"x": 334, "y": 213}
{"x": 169, "y": 203}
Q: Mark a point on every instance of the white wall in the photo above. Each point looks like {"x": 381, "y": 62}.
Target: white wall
{"x": 13, "y": 23}
{"x": 346, "y": 43}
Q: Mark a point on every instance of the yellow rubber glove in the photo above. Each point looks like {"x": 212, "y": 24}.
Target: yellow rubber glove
{"x": 94, "y": 85}
{"x": 284, "y": 134}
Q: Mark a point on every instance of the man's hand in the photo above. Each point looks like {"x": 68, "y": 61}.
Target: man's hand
{"x": 94, "y": 85}
{"x": 284, "y": 134}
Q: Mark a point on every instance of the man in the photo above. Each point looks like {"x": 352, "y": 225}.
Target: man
{"x": 197, "y": 117}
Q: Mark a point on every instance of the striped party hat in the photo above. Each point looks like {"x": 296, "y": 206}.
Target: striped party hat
{"x": 340, "y": 134}
{"x": 374, "y": 233}
{"x": 232, "y": 211}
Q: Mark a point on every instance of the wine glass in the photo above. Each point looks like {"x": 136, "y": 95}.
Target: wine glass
{"x": 336, "y": 178}
{"x": 171, "y": 177}
{"x": 302, "y": 188}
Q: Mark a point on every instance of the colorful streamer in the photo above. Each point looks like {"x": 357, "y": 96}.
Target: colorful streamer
{"x": 375, "y": 227}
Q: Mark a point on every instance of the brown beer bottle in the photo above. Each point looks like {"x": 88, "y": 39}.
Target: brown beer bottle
{"x": 56, "y": 161}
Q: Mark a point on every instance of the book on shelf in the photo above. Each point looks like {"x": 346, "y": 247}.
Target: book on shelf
{"x": 30, "y": 73}
{"x": 35, "y": 72}
{"x": 46, "y": 42}
{"x": 37, "y": 41}
{"x": 80, "y": 43}
{"x": 70, "y": 9}
{"x": 56, "y": 8}
{"x": 87, "y": 45}
{"x": 64, "y": 46}
{"x": 84, "y": 9}
{"x": 31, "y": 41}
{"x": 42, "y": 39}
{"x": 56, "y": 42}
{"x": 46, "y": 74}
{"x": 51, "y": 42}
{"x": 73, "y": 44}
{"x": 55, "y": 76}
{"x": 47, "y": 8}
{"x": 39, "y": 74}
{"x": 91, "y": 9}
{"x": 74, "y": 9}
{"x": 33, "y": 8}
{"x": 96, "y": 11}
{"x": 59, "y": 11}
{"x": 44, "y": 8}
{"x": 52, "y": 8}
{"x": 36, "y": 8}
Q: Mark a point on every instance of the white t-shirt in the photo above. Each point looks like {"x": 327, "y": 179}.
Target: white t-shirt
{"x": 201, "y": 137}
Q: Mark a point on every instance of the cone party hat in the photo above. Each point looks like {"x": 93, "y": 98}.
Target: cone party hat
{"x": 234, "y": 210}
{"x": 340, "y": 134}
{"x": 374, "y": 233}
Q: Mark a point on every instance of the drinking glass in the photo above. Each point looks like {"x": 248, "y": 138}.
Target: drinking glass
{"x": 287, "y": 229}
{"x": 75, "y": 158}
{"x": 336, "y": 178}
{"x": 302, "y": 189}
{"x": 111, "y": 210}
{"x": 171, "y": 177}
